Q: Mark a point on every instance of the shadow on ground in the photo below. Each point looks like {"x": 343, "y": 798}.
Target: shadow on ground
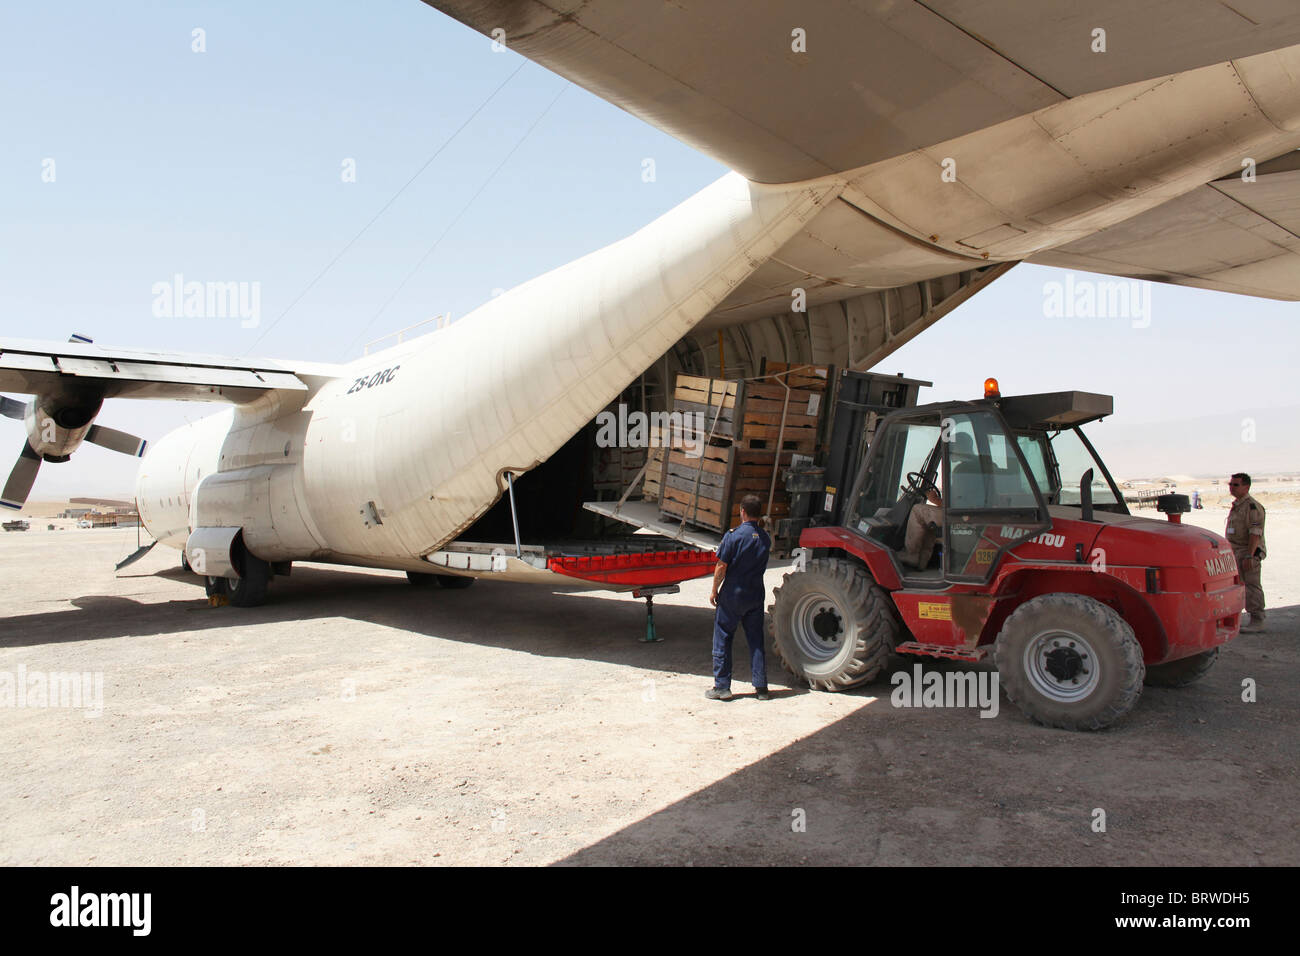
{"x": 1193, "y": 776}
{"x": 598, "y": 626}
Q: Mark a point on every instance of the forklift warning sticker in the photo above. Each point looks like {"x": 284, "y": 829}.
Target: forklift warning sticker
{"x": 934, "y": 612}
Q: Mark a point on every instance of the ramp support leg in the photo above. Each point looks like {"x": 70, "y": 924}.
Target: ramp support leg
{"x": 651, "y": 637}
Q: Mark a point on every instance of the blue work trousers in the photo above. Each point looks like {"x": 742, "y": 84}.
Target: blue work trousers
{"x": 730, "y": 614}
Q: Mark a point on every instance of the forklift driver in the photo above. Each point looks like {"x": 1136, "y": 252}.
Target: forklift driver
{"x": 923, "y": 525}
{"x": 925, "y": 520}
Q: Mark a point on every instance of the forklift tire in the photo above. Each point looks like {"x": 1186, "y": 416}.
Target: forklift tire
{"x": 1184, "y": 671}
{"x": 832, "y": 624}
{"x": 1069, "y": 661}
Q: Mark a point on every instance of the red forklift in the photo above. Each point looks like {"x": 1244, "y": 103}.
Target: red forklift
{"x": 1033, "y": 558}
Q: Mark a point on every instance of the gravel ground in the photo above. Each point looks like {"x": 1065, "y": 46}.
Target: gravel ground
{"x": 356, "y": 719}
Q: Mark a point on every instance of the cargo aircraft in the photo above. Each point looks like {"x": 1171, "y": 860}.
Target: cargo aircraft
{"x": 890, "y": 159}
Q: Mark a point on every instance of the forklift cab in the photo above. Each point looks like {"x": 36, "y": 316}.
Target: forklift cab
{"x": 966, "y": 456}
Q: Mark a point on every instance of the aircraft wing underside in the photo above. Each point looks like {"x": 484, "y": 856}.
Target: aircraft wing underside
{"x": 872, "y": 80}
{"x": 1231, "y": 235}
{"x": 1075, "y": 149}
{"x": 34, "y": 367}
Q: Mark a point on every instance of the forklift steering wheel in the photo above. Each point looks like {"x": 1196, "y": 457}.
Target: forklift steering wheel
{"x": 919, "y": 484}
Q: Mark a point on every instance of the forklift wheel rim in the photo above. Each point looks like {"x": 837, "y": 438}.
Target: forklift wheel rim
{"x": 811, "y": 610}
{"x": 1050, "y": 659}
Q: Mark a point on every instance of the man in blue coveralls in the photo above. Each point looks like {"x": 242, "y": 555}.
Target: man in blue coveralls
{"x": 738, "y": 594}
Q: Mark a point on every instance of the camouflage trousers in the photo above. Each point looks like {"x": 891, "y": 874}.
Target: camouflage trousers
{"x": 1254, "y": 590}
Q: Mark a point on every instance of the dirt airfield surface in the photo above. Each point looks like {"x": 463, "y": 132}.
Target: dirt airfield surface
{"x": 355, "y": 719}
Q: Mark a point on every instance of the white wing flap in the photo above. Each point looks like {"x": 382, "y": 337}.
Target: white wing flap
{"x": 46, "y": 367}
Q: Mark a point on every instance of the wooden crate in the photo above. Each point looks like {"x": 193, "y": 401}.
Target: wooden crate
{"x": 812, "y": 378}
{"x": 707, "y": 399}
{"x": 739, "y": 450}
{"x": 764, "y": 409}
{"x": 650, "y": 488}
{"x": 707, "y": 490}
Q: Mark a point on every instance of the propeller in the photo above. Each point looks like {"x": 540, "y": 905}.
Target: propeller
{"x": 21, "y": 478}
{"x": 23, "y": 475}
{"x": 114, "y": 440}
{"x": 12, "y": 409}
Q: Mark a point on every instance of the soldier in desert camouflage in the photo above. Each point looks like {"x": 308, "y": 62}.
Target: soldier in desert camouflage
{"x": 1245, "y": 532}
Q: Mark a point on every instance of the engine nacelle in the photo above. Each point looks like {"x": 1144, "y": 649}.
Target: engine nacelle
{"x": 57, "y": 426}
{"x": 211, "y": 552}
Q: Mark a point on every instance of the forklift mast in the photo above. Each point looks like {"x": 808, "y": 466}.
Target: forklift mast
{"x": 817, "y": 493}
{"x": 861, "y": 401}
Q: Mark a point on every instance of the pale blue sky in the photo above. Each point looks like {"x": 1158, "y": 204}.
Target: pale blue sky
{"x": 225, "y": 166}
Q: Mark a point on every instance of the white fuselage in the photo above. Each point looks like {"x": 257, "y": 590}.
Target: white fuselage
{"x": 395, "y": 459}
{"x": 411, "y": 445}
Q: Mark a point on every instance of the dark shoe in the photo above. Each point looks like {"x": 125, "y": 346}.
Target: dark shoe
{"x": 1253, "y": 626}
{"x": 714, "y": 694}
{"x": 760, "y": 693}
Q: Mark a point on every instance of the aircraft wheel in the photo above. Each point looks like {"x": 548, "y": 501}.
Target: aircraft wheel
{"x": 185, "y": 562}
{"x": 420, "y": 579}
{"x": 249, "y": 589}
{"x": 832, "y": 624}
{"x": 454, "y": 583}
{"x": 1069, "y": 661}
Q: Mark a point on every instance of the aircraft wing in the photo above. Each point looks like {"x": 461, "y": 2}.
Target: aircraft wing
{"x": 1229, "y": 235}
{"x": 873, "y": 79}
{"x": 36, "y": 368}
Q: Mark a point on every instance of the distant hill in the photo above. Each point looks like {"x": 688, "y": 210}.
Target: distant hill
{"x": 1257, "y": 442}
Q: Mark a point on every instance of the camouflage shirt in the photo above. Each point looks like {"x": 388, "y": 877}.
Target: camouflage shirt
{"x": 1244, "y": 519}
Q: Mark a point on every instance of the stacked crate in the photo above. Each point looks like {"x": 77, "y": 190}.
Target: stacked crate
{"x": 750, "y": 430}
{"x": 614, "y": 468}
{"x": 650, "y": 488}
{"x": 811, "y": 378}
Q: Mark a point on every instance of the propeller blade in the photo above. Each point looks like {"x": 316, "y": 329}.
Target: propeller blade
{"x": 21, "y": 478}
{"x": 134, "y": 556}
{"x": 12, "y": 409}
{"x": 115, "y": 440}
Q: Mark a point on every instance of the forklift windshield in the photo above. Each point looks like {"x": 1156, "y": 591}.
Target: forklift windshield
{"x": 1059, "y": 460}
{"x": 947, "y": 490}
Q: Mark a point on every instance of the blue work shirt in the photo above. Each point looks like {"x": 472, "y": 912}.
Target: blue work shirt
{"x": 744, "y": 552}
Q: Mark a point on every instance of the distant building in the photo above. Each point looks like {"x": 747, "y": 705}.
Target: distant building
{"x": 103, "y": 503}
{"x": 113, "y": 519}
